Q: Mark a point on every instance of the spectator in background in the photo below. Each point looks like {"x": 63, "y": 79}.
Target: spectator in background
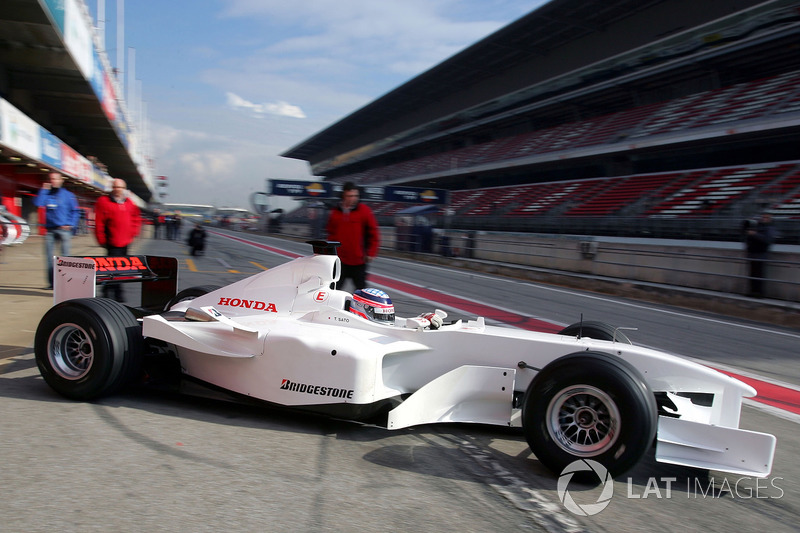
{"x": 156, "y": 223}
{"x": 759, "y": 236}
{"x": 177, "y": 220}
{"x": 83, "y": 222}
{"x": 117, "y": 223}
{"x": 353, "y": 224}
{"x": 173, "y": 223}
{"x": 168, "y": 226}
{"x": 61, "y": 217}
{"x": 197, "y": 240}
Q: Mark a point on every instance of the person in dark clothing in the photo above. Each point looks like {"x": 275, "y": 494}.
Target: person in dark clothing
{"x": 197, "y": 240}
{"x": 156, "y": 223}
{"x": 759, "y": 236}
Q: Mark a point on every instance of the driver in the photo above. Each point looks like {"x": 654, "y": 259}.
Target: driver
{"x": 376, "y": 305}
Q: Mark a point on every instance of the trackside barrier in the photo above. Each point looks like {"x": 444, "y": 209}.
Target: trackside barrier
{"x": 709, "y": 265}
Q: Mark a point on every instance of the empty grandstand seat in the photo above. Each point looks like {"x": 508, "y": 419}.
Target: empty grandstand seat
{"x": 712, "y": 192}
{"x": 620, "y": 193}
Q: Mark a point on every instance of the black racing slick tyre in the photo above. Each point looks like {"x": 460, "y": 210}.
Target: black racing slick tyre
{"x": 595, "y": 330}
{"x": 190, "y": 293}
{"x": 589, "y": 405}
{"x": 88, "y": 348}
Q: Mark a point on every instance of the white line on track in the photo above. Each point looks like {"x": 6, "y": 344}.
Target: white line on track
{"x": 224, "y": 263}
{"x": 772, "y": 410}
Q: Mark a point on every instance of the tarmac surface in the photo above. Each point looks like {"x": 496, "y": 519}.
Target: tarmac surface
{"x": 25, "y": 298}
{"x": 148, "y": 460}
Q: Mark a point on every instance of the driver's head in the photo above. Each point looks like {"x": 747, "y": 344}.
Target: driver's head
{"x": 373, "y": 304}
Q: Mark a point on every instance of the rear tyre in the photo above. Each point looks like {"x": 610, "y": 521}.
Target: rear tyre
{"x": 88, "y": 347}
{"x": 595, "y": 330}
{"x": 190, "y": 293}
{"x": 589, "y": 405}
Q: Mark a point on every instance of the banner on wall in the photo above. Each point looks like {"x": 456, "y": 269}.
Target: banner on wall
{"x": 300, "y": 189}
{"x": 78, "y": 37}
{"x": 109, "y": 98}
{"x": 51, "y": 148}
{"x": 415, "y": 195}
{"x": 325, "y": 190}
{"x": 75, "y": 164}
{"x": 100, "y": 179}
{"x": 19, "y": 132}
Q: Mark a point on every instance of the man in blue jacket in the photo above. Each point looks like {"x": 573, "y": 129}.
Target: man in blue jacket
{"x": 61, "y": 216}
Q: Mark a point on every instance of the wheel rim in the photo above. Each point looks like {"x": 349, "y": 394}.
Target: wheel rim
{"x": 70, "y": 351}
{"x": 583, "y": 420}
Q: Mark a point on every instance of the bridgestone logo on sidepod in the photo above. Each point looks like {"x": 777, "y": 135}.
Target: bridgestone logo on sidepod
{"x": 318, "y": 390}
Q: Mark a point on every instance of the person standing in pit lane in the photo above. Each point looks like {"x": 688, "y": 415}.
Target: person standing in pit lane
{"x": 759, "y": 236}
{"x": 117, "y": 223}
{"x": 61, "y": 216}
{"x": 353, "y": 225}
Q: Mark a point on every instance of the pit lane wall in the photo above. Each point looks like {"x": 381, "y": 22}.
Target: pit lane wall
{"x": 721, "y": 267}
{"x": 714, "y": 266}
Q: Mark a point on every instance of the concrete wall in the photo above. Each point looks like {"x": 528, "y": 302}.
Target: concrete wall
{"x": 720, "y": 267}
{"x": 714, "y": 266}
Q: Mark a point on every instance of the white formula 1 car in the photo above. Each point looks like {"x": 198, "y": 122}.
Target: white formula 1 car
{"x": 285, "y": 337}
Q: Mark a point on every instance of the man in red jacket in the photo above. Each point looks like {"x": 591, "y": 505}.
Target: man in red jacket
{"x": 353, "y": 224}
{"x": 116, "y": 223}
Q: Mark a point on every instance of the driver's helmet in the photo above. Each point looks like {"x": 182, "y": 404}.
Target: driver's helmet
{"x": 373, "y": 304}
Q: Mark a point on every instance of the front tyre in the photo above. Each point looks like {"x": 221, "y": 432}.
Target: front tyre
{"x": 589, "y": 405}
{"x": 88, "y": 347}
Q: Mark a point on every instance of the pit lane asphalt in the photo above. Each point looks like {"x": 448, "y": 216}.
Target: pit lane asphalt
{"x": 115, "y": 447}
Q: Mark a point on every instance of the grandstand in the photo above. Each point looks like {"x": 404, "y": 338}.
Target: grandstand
{"x": 647, "y": 114}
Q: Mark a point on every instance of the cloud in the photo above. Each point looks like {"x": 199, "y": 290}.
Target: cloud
{"x": 217, "y": 166}
{"x": 280, "y": 108}
{"x": 315, "y": 60}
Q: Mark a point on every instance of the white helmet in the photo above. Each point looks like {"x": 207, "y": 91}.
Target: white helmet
{"x": 373, "y": 304}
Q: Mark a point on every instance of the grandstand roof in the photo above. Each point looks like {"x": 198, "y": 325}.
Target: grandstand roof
{"x": 39, "y": 77}
{"x": 527, "y": 51}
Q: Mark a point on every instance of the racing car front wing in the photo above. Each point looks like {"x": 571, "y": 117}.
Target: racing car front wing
{"x": 739, "y": 451}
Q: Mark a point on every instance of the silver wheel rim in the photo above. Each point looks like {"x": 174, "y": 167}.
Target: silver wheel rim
{"x": 583, "y": 420}
{"x": 70, "y": 351}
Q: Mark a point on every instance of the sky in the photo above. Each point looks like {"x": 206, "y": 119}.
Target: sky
{"x": 229, "y": 85}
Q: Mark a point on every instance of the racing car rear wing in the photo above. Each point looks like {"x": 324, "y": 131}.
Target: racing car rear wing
{"x": 78, "y": 277}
